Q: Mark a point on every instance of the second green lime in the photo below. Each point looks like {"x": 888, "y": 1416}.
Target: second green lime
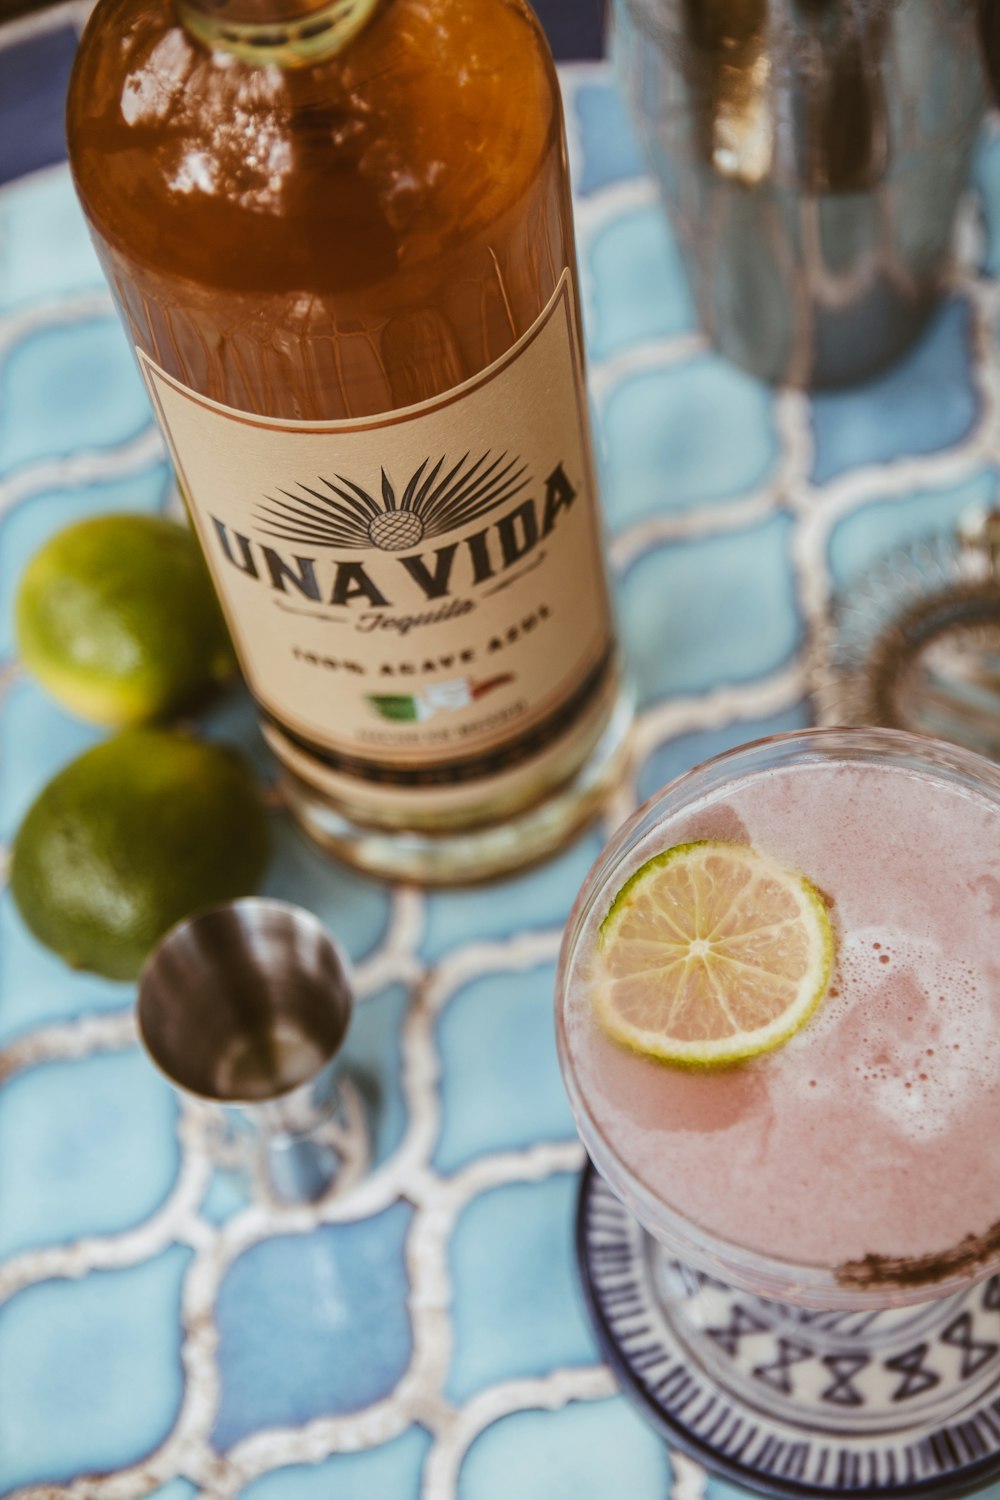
{"x": 129, "y": 838}
{"x": 117, "y": 619}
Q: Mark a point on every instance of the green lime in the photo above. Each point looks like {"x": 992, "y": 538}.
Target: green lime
{"x": 712, "y": 953}
{"x": 131, "y": 837}
{"x": 117, "y": 619}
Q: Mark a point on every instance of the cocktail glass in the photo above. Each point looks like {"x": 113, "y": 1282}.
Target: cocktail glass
{"x": 845, "y": 1367}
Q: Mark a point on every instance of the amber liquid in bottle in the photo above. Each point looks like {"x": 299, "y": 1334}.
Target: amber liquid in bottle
{"x": 318, "y": 222}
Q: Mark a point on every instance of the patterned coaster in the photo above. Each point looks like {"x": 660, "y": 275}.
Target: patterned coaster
{"x": 902, "y": 1403}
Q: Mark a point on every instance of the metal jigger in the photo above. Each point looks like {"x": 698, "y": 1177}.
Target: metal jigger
{"x": 245, "y": 1008}
{"x": 917, "y": 640}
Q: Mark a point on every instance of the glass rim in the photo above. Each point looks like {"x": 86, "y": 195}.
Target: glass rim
{"x": 805, "y": 1284}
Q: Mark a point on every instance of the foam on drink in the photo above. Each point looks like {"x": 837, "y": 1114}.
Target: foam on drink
{"x": 875, "y": 1130}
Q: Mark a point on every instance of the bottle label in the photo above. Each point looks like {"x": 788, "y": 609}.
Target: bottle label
{"x": 417, "y": 598}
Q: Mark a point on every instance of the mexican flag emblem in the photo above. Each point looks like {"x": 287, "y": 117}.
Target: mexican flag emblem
{"x": 436, "y": 698}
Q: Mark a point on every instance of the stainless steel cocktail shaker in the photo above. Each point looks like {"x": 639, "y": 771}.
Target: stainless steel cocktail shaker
{"x": 811, "y": 154}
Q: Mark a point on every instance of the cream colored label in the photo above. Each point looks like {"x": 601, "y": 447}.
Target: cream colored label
{"x": 412, "y": 596}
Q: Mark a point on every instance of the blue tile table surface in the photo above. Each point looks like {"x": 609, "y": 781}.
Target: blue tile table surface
{"x": 420, "y": 1333}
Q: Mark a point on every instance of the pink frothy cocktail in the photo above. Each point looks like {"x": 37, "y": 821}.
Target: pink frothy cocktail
{"x": 862, "y": 1158}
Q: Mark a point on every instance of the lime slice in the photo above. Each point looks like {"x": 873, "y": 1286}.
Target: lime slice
{"x": 712, "y": 953}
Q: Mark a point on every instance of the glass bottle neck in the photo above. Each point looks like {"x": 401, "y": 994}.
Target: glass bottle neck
{"x": 290, "y": 33}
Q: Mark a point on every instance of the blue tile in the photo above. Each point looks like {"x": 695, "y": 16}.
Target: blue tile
{"x": 717, "y": 611}
{"x": 373, "y": 1062}
{"x": 232, "y": 718}
{"x": 719, "y": 1489}
{"x": 227, "y": 1194}
{"x": 678, "y": 755}
{"x": 391, "y": 1472}
{"x": 610, "y": 152}
{"x": 862, "y": 538}
{"x": 354, "y": 907}
{"x": 33, "y": 78}
{"x": 638, "y": 289}
{"x": 328, "y": 1310}
{"x": 920, "y": 405}
{"x": 45, "y": 250}
{"x": 500, "y": 1089}
{"x": 174, "y": 1489}
{"x": 90, "y": 1371}
{"x": 37, "y": 739}
{"x": 517, "y": 1305}
{"x": 538, "y": 899}
{"x": 589, "y": 1450}
{"x": 679, "y": 437}
{"x": 25, "y": 527}
{"x": 68, "y": 390}
{"x": 986, "y": 179}
{"x": 87, "y": 1147}
{"x": 36, "y": 987}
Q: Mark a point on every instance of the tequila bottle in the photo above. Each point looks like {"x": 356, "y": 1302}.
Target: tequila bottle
{"x": 340, "y": 240}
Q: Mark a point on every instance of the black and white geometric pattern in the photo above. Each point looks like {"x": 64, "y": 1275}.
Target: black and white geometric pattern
{"x": 788, "y": 1401}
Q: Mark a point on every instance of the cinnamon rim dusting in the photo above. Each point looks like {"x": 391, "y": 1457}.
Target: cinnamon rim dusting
{"x": 921, "y": 1270}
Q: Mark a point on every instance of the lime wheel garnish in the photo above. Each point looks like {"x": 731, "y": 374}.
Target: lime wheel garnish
{"x": 712, "y": 953}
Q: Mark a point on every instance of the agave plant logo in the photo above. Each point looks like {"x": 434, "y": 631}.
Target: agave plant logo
{"x": 342, "y": 514}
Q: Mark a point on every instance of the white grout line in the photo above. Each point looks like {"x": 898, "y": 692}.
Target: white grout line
{"x": 760, "y": 699}
{"x": 608, "y": 204}
{"x": 174, "y": 1222}
{"x": 550, "y": 1392}
{"x": 80, "y": 307}
{"x": 656, "y": 354}
{"x": 691, "y": 525}
{"x": 690, "y": 1479}
{"x": 83, "y": 469}
{"x": 102, "y": 1031}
